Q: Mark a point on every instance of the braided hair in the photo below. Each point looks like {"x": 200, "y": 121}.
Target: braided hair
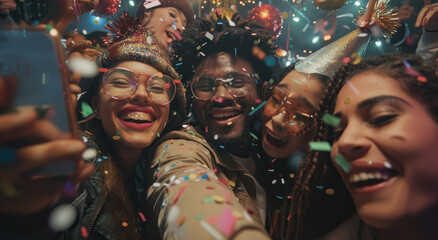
{"x": 314, "y": 213}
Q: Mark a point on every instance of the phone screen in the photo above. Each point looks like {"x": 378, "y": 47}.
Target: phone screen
{"x": 30, "y": 61}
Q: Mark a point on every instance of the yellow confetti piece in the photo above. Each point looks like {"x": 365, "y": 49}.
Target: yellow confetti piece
{"x": 218, "y": 199}
{"x": 284, "y": 15}
{"x": 357, "y": 60}
{"x": 237, "y": 214}
{"x": 291, "y": 175}
{"x": 116, "y": 137}
{"x": 229, "y": 123}
{"x": 232, "y": 184}
{"x": 106, "y": 171}
{"x": 347, "y": 100}
{"x": 192, "y": 176}
{"x": 330, "y": 191}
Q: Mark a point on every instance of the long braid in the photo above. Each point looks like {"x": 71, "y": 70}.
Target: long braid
{"x": 318, "y": 169}
{"x": 311, "y": 170}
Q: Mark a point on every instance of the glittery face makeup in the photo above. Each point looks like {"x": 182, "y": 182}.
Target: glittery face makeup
{"x": 389, "y": 139}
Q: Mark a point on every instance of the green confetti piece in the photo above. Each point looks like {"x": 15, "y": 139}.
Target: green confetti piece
{"x": 254, "y": 136}
{"x": 86, "y": 109}
{"x": 48, "y": 27}
{"x": 320, "y": 146}
{"x": 257, "y": 108}
{"x": 208, "y": 200}
{"x": 199, "y": 217}
{"x": 293, "y": 79}
{"x": 271, "y": 81}
{"x": 344, "y": 164}
{"x": 158, "y": 135}
{"x": 331, "y": 120}
{"x": 191, "y": 132}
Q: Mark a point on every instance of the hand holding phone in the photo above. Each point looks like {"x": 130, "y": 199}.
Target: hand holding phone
{"x": 34, "y": 76}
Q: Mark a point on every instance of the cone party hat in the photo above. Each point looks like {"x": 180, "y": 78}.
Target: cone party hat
{"x": 329, "y": 58}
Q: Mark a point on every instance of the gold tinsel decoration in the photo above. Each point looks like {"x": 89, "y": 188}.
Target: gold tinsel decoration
{"x": 386, "y": 18}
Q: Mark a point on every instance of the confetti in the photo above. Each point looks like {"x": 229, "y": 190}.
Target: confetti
{"x": 254, "y": 136}
{"x": 62, "y": 217}
{"x": 142, "y": 216}
{"x": 257, "y": 108}
{"x": 208, "y": 200}
{"x": 330, "y": 191}
{"x": 211, "y": 230}
{"x": 181, "y": 190}
{"x": 344, "y": 164}
{"x": 86, "y": 110}
{"x": 89, "y": 154}
{"x": 173, "y": 214}
{"x": 218, "y": 199}
{"x": 320, "y": 146}
{"x": 331, "y": 120}
{"x": 84, "y": 232}
{"x": 125, "y": 224}
{"x": 226, "y": 222}
{"x": 422, "y": 79}
{"x": 347, "y": 100}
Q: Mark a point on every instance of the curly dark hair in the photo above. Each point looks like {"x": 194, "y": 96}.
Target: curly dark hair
{"x": 314, "y": 213}
{"x": 207, "y": 37}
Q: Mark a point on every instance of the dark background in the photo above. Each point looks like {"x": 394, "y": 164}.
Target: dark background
{"x": 300, "y": 42}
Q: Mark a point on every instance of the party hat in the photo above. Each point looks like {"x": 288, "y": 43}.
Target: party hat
{"x": 350, "y": 47}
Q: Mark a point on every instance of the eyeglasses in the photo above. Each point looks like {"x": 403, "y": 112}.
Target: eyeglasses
{"x": 121, "y": 83}
{"x": 236, "y": 83}
{"x": 299, "y": 113}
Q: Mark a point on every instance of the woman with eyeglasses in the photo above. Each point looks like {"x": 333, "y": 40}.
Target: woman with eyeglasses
{"x": 136, "y": 99}
{"x": 288, "y": 120}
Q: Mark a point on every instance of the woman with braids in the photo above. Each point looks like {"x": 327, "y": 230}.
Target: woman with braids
{"x": 135, "y": 98}
{"x": 383, "y": 155}
{"x": 288, "y": 120}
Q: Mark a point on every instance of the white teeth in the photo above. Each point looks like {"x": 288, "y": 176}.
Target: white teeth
{"x": 364, "y": 176}
{"x": 139, "y": 116}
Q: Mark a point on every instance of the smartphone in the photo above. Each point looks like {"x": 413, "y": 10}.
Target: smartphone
{"x": 32, "y": 66}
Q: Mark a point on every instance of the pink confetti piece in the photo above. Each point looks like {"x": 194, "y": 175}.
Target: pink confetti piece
{"x": 226, "y": 222}
{"x": 422, "y": 79}
{"x": 151, "y": 3}
{"x": 410, "y": 70}
{"x": 142, "y": 216}
{"x": 355, "y": 90}
{"x": 84, "y": 232}
{"x": 181, "y": 190}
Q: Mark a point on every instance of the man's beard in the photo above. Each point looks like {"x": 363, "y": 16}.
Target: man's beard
{"x": 242, "y": 140}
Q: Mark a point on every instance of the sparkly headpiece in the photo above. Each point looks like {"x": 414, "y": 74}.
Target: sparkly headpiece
{"x": 132, "y": 41}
